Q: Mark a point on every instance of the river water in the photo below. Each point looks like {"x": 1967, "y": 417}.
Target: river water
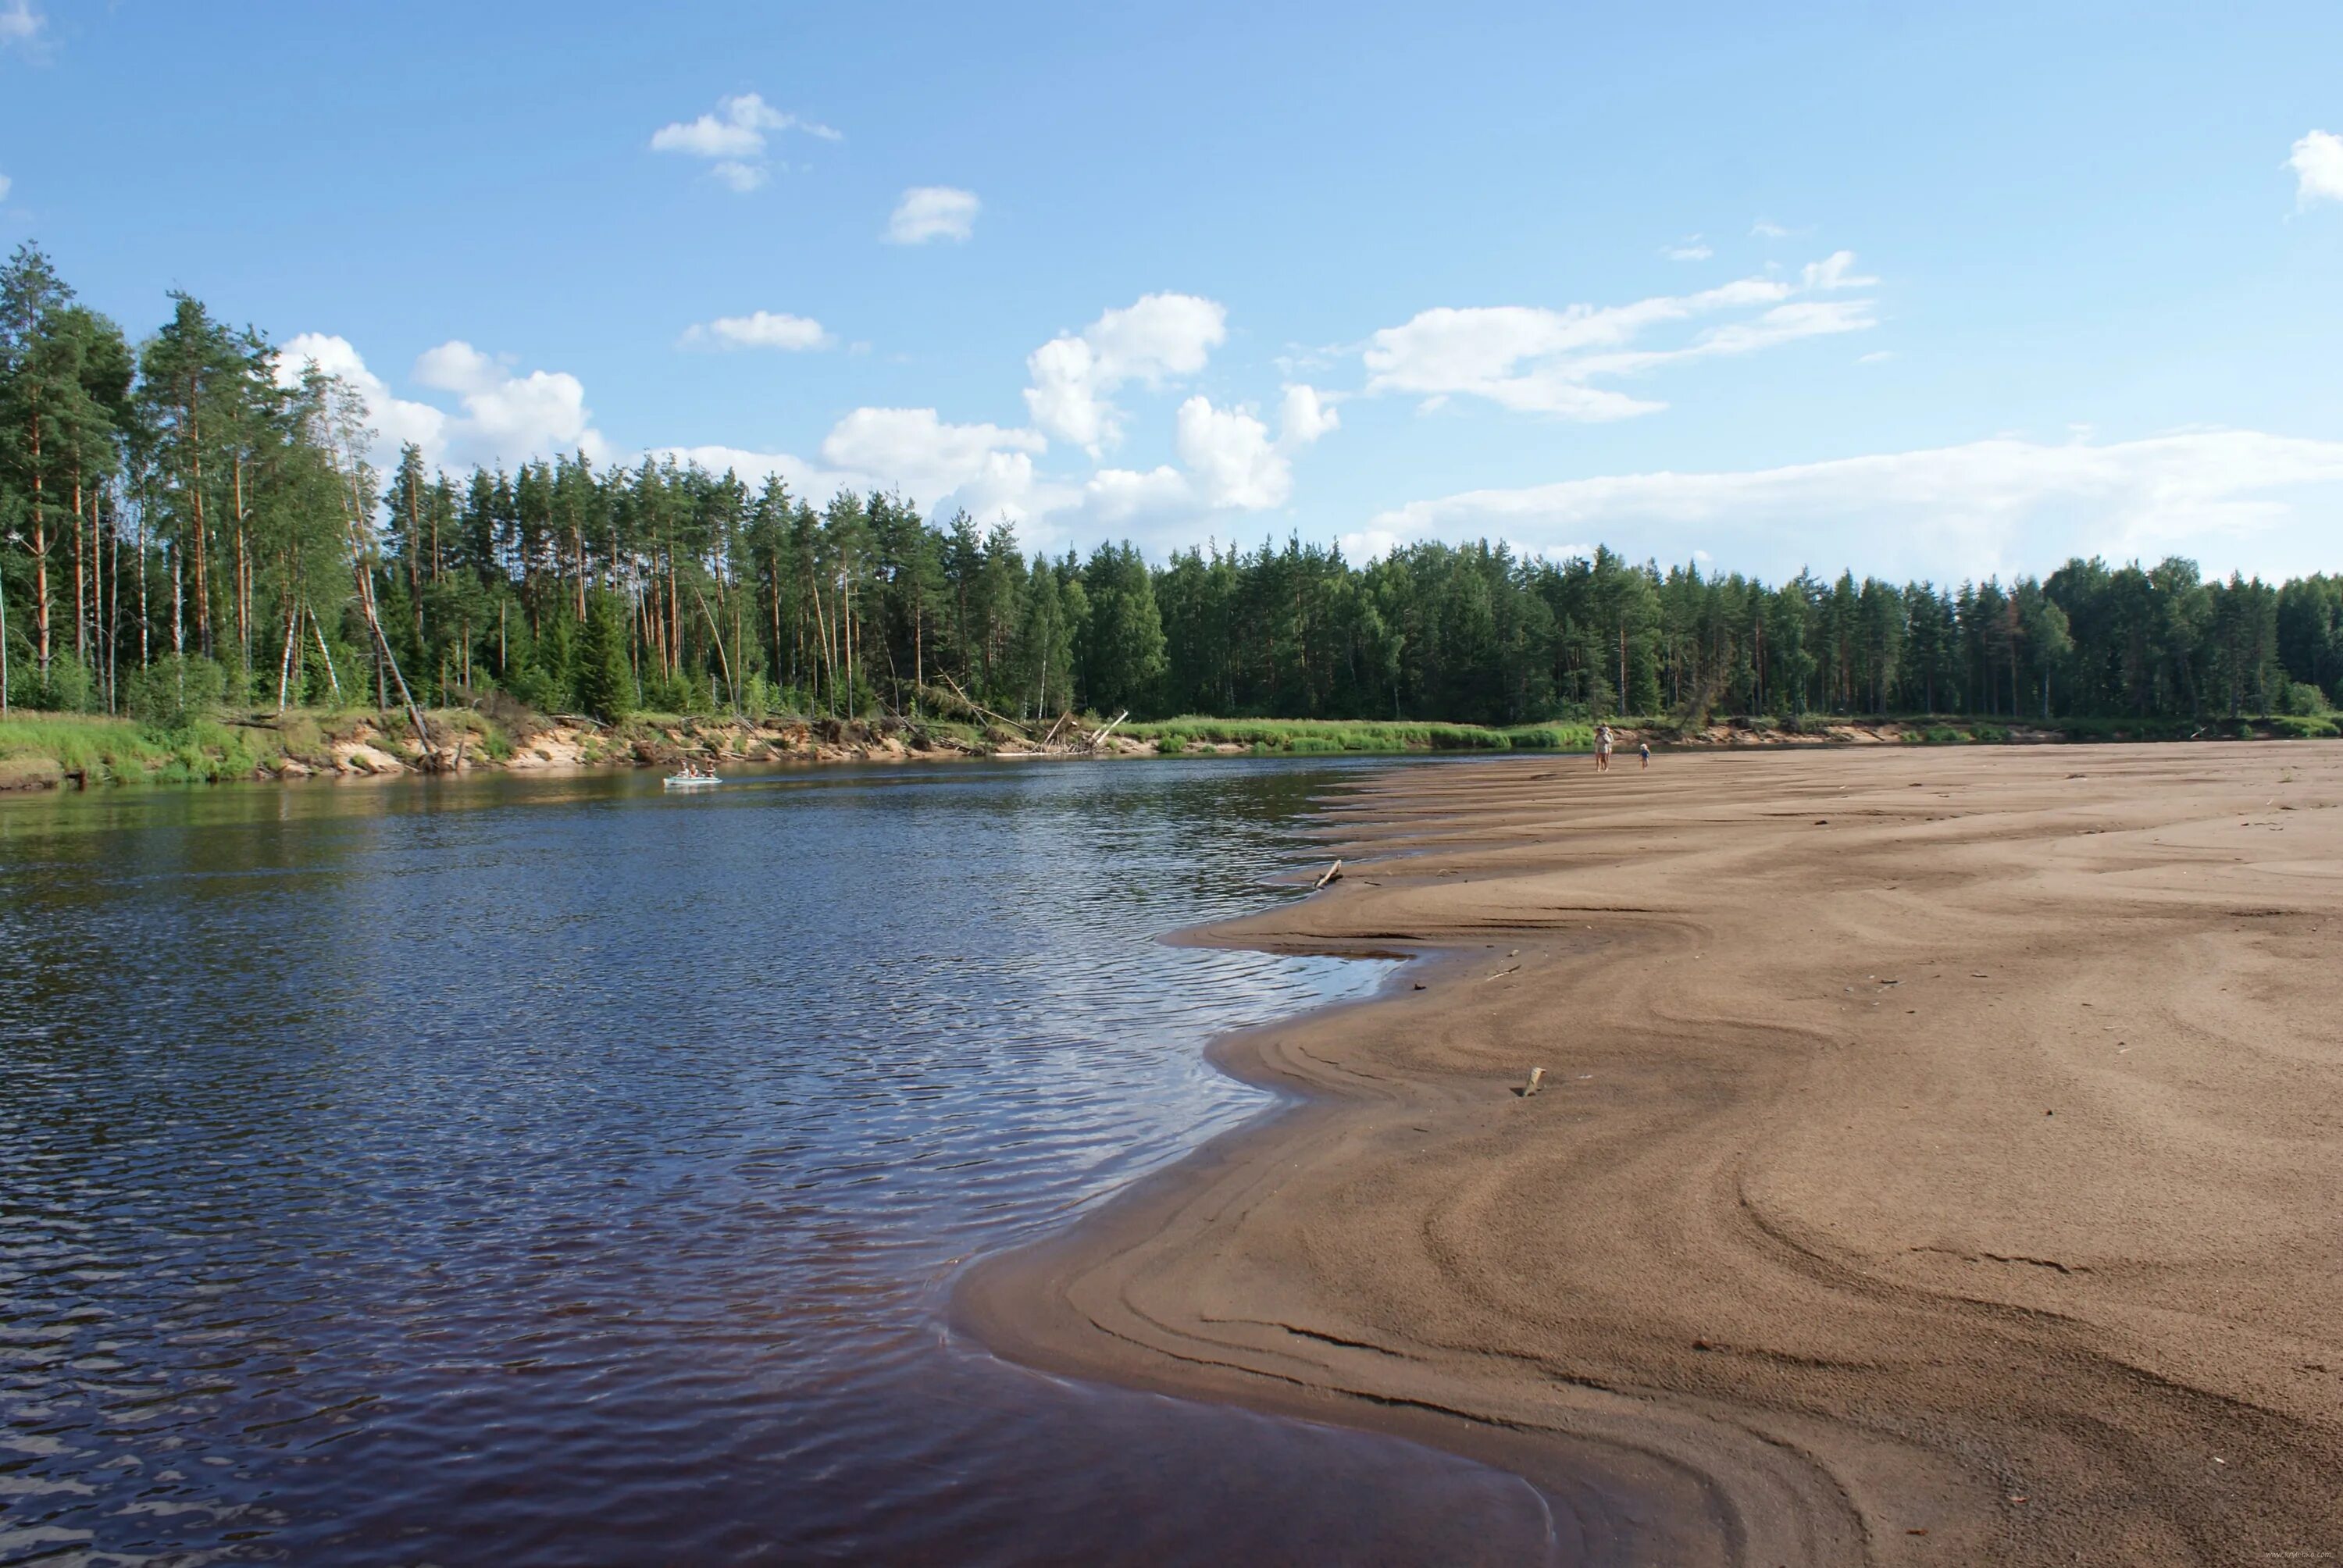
{"x": 554, "y": 1171}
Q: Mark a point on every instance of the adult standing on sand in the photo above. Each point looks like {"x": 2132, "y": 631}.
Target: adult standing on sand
{"x": 1602, "y": 748}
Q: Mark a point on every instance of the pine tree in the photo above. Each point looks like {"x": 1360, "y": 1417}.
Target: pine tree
{"x": 604, "y": 683}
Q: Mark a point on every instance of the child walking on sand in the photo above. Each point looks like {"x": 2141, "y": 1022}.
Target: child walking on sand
{"x": 1644, "y": 750}
{"x": 1602, "y": 748}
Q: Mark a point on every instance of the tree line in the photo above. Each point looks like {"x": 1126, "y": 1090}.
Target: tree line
{"x": 182, "y": 517}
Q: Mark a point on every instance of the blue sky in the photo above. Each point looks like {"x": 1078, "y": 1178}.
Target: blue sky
{"x": 1922, "y": 295}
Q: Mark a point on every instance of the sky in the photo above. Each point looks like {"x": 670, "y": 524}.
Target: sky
{"x": 1922, "y": 291}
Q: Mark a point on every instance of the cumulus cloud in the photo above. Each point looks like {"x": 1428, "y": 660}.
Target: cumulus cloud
{"x": 733, "y": 138}
{"x": 1764, "y": 229}
{"x": 927, "y": 458}
{"x": 806, "y": 479}
{"x": 759, "y": 329}
{"x": 1231, "y": 457}
{"x": 1115, "y": 497}
{"x": 1539, "y": 360}
{"x": 1947, "y": 512}
{"x": 1690, "y": 248}
{"x": 5, "y": 184}
{"x": 396, "y": 420}
{"x": 933, "y": 212}
{"x": 500, "y": 417}
{"x": 1157, "y": 338}
{"x": 2317, "y": 166}
{"x": 1230, "y": 463}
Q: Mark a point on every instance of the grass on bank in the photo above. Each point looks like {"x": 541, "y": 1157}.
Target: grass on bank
{"x": 50, "y": 747}
{"x": 47, "y": 748}
{"x": 1295, "y": 737}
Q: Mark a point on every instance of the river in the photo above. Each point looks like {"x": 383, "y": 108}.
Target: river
{"x": 515, "y": 1171}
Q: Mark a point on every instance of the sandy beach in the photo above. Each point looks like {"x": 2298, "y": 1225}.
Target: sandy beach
{"x": 1939, "y": 1157}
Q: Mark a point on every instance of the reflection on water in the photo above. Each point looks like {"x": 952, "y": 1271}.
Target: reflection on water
{"x": 553, "y": 1171}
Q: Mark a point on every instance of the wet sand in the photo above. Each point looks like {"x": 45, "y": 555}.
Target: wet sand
{"x": 1939, "y": 1157}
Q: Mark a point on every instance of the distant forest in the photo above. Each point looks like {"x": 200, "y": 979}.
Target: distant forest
{"x": 174, "y": 514}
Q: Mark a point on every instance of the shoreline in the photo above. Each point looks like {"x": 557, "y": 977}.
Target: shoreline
{"x": 1787, "y": 1276}
{"x": 39, "y": 751}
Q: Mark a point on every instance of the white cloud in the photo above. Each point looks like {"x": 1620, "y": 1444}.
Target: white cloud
{"x": 501, "y": 417}
{"x": 1876, "y": 356}
{"x": 807, "y": 480}
{"x": 933, "y": 212}
{"x": 1231, "y": 457}
{"x": 1369, "y": 544}
{"x": 733, "y": 137}
{"x": 1115, "y": 496}
{"x": 1533, "y": 359}
{"x": 21, "y": 27}
{"x": 913, "y": 449}
{"x": 2317, "y": 166}
{"x": 1231, "y": 464}
{"x": 396, "y": 420}
{"x": 1690, "y": 248}
{"x": 1835, "y": 270}
{"x": 1764, "y": 229}
{"x": 1307, "y": 416}
{"x": 1156, "y": 337}
{"x": 1946, "y": 512}
{"x": 759, "y": 329}
{"x": 5, "y": 184}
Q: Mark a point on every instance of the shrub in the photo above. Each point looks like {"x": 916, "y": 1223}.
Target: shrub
{"x": 2300, "y": 699}
{"x": 528, "y": 687}
{"x": 669, "y": 693}
{"x": 175, "y": 694}
{"x": 69, "y": 687}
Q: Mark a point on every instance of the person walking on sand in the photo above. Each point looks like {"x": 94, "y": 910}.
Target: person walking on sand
{"x": 1602, "y": 748}
{"x": 1644, "y": 750}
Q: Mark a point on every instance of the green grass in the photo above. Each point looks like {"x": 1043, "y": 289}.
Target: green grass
{"x": 48, "y": 748}
{"x": 120, "y": 751}
{"x": 1328, "y": 737}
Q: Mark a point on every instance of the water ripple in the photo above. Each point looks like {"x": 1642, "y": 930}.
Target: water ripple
{"x": 552, "y": 1171}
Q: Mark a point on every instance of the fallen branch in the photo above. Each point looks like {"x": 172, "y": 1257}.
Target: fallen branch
{"x": 1334, "y": 873}
{"x": 1098, "y": 740}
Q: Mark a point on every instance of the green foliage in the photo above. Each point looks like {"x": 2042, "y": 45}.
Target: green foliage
{"x": 69, "y": 688}
{"x": 604, "y": 684}
{"x": 234, "y": 514}
{"x": 758, "y": 699}
{"x": 118, "y": 750}
{"x": 1326, "y": 737}
{"x": 2301, "y": 699}
{"x": 670, "y": 694}
{"x": 174, "y": 694}
{"x": 535, "y": 688}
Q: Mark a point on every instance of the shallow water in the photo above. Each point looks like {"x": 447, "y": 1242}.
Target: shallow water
{"x": 551, "y": 1172}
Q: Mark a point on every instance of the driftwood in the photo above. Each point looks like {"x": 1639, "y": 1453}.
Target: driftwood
{"x": 1537, "y": 1076}
{"x": 1334, "y": 873}
{"x": 1095, "y": 741}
